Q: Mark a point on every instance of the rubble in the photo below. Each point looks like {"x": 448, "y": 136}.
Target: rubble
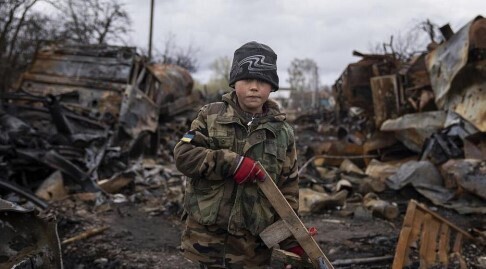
{"x": 413, "y": 129}
{"x": 86, "y": 111}
{"x": 424, "y": 132}
{"x": 28, "y": 241}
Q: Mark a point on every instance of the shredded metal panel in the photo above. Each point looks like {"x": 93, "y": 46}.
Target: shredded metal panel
{"x": 457, "y": 73}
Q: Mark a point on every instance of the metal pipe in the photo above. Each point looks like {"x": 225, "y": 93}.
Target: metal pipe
{"x": 151, "y": 27}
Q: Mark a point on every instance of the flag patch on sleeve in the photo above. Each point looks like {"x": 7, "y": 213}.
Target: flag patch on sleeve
{"x": 188, "y": 137}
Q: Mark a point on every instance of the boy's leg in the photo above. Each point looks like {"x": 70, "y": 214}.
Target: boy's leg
{"x": 203, "y": 244}
{"x": 247, "y": 250}
{"x": 214, "y": 247}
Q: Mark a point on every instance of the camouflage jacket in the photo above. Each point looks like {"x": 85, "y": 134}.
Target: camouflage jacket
{"x": 222, "y": 132}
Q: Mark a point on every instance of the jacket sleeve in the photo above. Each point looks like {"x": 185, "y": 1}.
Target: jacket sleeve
{"x": 289, "y": 178}
{"x": 289, "y": 185}
{"x": 195, "y": 159}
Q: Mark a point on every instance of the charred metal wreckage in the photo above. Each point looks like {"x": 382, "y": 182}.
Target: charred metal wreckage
{"x": 83, "y": 110}
{"x": 28, "y": 241}
{"x": 418, "y": 123}
{"x": 81, "y": 114}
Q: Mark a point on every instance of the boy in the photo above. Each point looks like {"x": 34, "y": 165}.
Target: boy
{"x": 223, "y": 207}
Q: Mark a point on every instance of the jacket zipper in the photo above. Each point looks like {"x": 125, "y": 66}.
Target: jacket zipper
{"x": 248, "y": 129}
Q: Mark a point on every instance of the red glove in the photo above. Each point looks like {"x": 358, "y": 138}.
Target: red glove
{"x": 298, "y": 249}
{"x": 248, "y": 170}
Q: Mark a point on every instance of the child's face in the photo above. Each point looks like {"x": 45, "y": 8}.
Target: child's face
{"x": 252, "y": 94}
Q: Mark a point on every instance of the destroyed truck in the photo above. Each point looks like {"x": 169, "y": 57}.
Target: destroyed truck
{"x": 86, "y": 111}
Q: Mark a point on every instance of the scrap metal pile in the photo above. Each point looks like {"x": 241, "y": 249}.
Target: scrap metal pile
{"x": 418, "y": 124}
{"x": 82, "y": 119}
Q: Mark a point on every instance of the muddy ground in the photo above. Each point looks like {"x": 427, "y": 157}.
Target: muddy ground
{"x": 144, "y": 228}
{"x": 144, "y": 231}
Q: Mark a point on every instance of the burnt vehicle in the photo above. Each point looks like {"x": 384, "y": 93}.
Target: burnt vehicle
{"x": 86, "y": 111}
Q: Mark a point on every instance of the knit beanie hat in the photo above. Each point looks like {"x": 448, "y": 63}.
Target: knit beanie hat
{"x": 254, "y": 60}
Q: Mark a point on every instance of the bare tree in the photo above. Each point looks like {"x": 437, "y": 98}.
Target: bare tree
{"x": 173, "y": 54}
{"x": 303, "y": 75}
{"x": 13, "y": 15}
{"x": 405, "y": 45}
{"x": 21, "y": 31}
{"x": 219, "y": 81}
{"x": 93, "y": 21}
{"x": 221, "y": 69}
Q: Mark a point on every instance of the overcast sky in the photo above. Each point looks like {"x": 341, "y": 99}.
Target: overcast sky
{"x": 323, "y": 30}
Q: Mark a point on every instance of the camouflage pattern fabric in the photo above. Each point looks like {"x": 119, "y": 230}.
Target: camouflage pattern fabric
{"x": 207, "y": 155}
{"x": 213, "y": 247}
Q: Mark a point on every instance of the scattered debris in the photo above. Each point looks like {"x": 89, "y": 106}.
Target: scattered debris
{"x": 28, "y": 241}
{"x": 86, "y": 234}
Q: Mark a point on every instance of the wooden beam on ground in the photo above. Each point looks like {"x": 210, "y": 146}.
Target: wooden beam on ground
{"x": 293, "y": 222}
{"x": 281, "y": 258}
{"x": 362, "y": 260}
{"x": 275, "y": 233}
{"x": 430, "y": 234}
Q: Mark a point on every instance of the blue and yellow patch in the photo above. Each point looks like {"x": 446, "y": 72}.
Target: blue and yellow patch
{"x": 188, "y": 137}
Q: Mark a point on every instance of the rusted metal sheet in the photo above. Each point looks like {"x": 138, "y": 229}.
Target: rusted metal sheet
{"x": 84, "y": 77}
{"x": 114, "y": 67}
{"x": 138, "y": 113}
{"x": 416, "y": 71}
{"x": 458, "y": 74}
{"x": 154, "y": 92}
{"x": 475, "y": 146}
{"x": 175, "y": 82}
{"x": 429, "y": 234}
{"x": 353, "y": 88}
{"x": 417, "y": 94}
{"x": 413, "y": 129}
{"x": 386, "y": 98}
{"x": 180, "y": 105}
{"x": 27, "y": 241}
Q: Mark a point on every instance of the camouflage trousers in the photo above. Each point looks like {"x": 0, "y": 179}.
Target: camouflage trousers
{"x": 213, "y": 247}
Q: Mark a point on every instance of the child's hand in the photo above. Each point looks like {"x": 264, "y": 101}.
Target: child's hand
{"x": 248, "y": 170}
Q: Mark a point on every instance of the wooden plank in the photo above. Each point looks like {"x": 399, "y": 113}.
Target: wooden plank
{"x": 418, "y": 222}
{"x": 295, "y": 225}
{"x": 281, "y": 258}
{"x": 401, "y": 251}
{"x": 433, "y": 234}
{"x": 464, "y": 233}
{"x": 432, "y": 242}
{"x": 402, "y": 248}
{"x": 275, "y": 233}
{"x": 457, "y": 243}
{"x": 444, "y": 244}
{"x": 424, "y": 241}
{"x": 356, "y": 261}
